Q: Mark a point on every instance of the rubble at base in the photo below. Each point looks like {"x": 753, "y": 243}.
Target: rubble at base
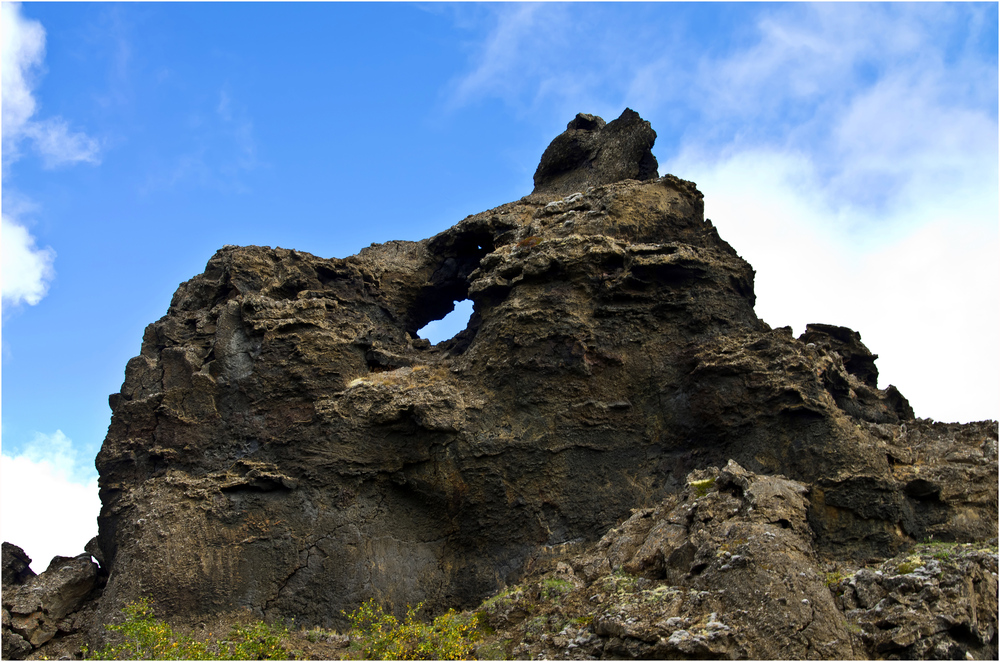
{"x": 727, "y": 570}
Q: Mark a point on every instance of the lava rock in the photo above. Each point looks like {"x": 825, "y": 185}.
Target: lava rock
{"x": 36, "y": 611}
{"x": 286, "y": 443}
{"x": 16, "y": 566}
{"x": 592, "y": 153}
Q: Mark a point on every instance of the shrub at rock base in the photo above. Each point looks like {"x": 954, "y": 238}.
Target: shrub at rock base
{"x": 377, "y": 635}
{"x": 147, "y": 638}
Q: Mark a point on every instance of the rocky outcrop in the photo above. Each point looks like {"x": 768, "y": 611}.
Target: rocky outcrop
{"x": 285, "y": 442}
{"x": 16, "y": 565}
{"x": 727, "y": 569}
{"x": 938, "y": 601}
{"x": 738, "y": 559}
{"x": 592, "y": 153}
{"x": 38, "y": 608}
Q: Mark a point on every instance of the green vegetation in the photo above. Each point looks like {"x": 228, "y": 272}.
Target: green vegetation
{"x": 701, "y": 487}
{"x": 378, "y": 635}
{"x": 502, "y": 600}
{"x": 554, "y": 588}
{"x": 147, "y": 638}
{"x": 495, "y": 650}
{"x": 909, "y": 565}
{"x": 619, "y": 582}
{"x": 948, "y": 551}
{"x": 832, "y": 578}
{"x": 659, "y": 593}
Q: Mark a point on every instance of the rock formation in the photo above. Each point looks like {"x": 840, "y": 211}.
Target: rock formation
{"x": 285, "y": 442}
{"x": 726, "y": 569}
{"x": 37, "y": 608}
{"x": 592, "y": 153}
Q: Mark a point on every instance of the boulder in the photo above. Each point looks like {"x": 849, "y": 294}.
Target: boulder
{"x": 16, "y": 566}
{"x": 728, "y": 569}
{"x": 592, "y": 153}
{"x": 37, "y": 610}
{"x": 731, "y": 573}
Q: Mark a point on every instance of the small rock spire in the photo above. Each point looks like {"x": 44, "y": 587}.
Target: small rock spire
{"x": 591, "y": 152}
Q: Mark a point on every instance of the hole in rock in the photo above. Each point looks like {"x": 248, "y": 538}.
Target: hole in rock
{"x": 450, "y": 325}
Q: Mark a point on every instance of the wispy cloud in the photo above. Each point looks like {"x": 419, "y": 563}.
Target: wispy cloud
{"x": 237, "y": 125}
{"x": 501, "y": 58}
{"x": 63, "y": 495}
{"x": 530, "y": 55}
{"x": 27, "y": 269}
{"x": 878, "y": 95}
{"x": 849, "y": 151}
{"x": 58, "y": 145}
{"x": 23, "y": 56}
{"x": 225, "y": 150}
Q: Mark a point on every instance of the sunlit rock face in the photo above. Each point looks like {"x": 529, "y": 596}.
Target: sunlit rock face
{"x": 285, "y": 442}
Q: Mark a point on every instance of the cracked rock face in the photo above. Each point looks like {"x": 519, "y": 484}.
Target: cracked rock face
{"x": 728, "y": 569}
{"x": 740, "y": 553}
{"x": 285, "y": 441}
{"x": 39, "y": 608}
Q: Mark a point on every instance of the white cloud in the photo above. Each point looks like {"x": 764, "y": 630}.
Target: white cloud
{"x": 49, "y": 503}
{"x": 857, "y": 172}
{"x": 23, "y": 55}
{"x": 26, "y": 269}
{"x": 920, "y": 286}
{"x": 23, "y": 50}
{"x": 58, "y": 146}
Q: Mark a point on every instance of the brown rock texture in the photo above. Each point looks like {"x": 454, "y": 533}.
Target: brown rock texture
{"x": 728, "y": 569}
{"x": 38, "y": 608}
{"x": 286, "y": 443}
{"x": 592, "y": 153}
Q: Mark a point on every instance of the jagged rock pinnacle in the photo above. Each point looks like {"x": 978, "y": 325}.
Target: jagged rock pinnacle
{"x": 591, "y": 152}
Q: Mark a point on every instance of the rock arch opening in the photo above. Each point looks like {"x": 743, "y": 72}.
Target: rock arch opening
{"x": 450, "y": 325}
{"x": 442, "y": 311}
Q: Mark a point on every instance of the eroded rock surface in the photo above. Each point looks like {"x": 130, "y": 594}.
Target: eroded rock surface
{"x": 592, "y": 153}
{"x": 285, "y": 442}
{"x": 38, "y": 608}
{"x": 728, "y": 569}
{"x": 938, "y": 601}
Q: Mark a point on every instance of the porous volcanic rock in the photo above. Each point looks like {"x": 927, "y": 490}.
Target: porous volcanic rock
{"x": 37, "y": 608}
{"x": 285, "y": 442}
{"x": 592, "y": 153}
{"x": 16, "y": 565}
{"x": 938, "y": 601}
{"x": 727, "y": 569}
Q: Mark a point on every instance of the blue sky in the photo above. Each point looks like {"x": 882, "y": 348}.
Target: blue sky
{"x": 848, "y": 151}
